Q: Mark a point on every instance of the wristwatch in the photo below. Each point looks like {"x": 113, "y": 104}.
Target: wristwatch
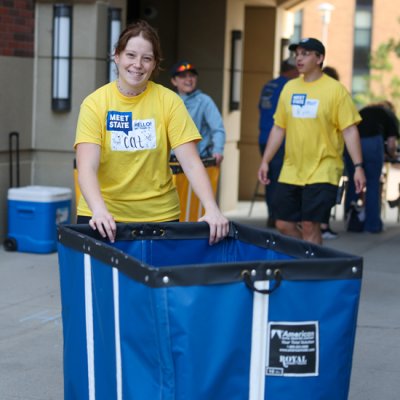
{"x": 358, "y": 165}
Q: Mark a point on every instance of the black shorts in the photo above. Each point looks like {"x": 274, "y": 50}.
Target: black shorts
{"x": 304, "y": 203}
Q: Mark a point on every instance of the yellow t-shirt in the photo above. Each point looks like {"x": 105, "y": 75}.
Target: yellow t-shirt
{"x": 136, "y": 135}
{"x": 314, "y": 114}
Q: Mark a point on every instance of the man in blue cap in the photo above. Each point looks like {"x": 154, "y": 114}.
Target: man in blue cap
{"x": 317, "y": 117}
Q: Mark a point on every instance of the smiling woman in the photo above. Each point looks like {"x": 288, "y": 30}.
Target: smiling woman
{"x": 125, "y": 132}
{"x": 135, "y": 66}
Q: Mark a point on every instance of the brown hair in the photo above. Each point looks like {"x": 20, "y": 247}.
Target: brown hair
{"x": 332, "y": 72}
{"x": 144, "y": 29}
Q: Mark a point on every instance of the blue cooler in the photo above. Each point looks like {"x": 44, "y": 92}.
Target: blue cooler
{"x": 161, "y": 314}
{"x": 33, "y": 215}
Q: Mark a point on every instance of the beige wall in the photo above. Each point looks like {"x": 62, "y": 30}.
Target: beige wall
{"x": 264, "y": 25}
{"x": 257, "y": 70}
{"x": 229, "y": 182}
{"x": 339, "y": 46}
{"x": 385, "y": 25}
{"x": 15, "y": 116}
{"x": 208, "y": 45}
{"x": 54, "y": 132}
{"x": 16, "y": 99}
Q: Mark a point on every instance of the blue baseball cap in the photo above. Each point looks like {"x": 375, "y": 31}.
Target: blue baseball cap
{"x": 309, "y": 44}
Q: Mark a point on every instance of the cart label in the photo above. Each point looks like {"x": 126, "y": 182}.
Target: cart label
{"x": 292, "y": 349}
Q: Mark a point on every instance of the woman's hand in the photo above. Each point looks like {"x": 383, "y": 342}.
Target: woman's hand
{"x": 104, "y": 223}
{"x": 219, "y": 225}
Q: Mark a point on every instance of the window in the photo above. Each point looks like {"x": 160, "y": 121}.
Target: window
{"x": 298, "y": 27}
{"x": 362, "y": 45}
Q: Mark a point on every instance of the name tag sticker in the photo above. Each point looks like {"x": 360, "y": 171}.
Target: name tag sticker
{"x": 303, "y": 107}
{"x": 141, "y": 136}
{"x": 119, "y": 121}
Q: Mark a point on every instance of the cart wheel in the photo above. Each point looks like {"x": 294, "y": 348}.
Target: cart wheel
{"x": 10, "y": 244}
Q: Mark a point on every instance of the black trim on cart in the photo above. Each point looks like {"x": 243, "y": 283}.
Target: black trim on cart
{"x": 310, "y": 262}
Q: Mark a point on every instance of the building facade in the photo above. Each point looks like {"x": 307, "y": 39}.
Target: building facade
{"x": 352, "y": 30}
{"x": 207, "y": 32}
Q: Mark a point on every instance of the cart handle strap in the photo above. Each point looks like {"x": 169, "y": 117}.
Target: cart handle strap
{"x": 251, "y": 284}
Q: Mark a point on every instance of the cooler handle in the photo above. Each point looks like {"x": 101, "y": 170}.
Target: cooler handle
{"x": 25, "y": 210}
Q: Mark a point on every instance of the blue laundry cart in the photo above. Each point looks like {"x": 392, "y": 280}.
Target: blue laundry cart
{"x": 161, "y": 314}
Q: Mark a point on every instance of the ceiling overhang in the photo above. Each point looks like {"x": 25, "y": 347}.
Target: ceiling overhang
{"x": 287, "y": 4}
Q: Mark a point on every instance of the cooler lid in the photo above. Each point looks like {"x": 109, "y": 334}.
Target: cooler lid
{"x": 42, "y": 194}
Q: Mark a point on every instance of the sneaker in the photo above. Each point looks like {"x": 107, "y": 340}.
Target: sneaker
{"x": 328, "y": 234}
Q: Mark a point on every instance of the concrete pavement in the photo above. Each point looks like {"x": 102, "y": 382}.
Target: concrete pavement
{"x": 31, "y": 329}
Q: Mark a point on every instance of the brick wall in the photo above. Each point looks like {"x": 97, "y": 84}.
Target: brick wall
{"x": 339, "y": 45}
{"x": 386, "y": 16}
{"x": 16, "y": 28}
